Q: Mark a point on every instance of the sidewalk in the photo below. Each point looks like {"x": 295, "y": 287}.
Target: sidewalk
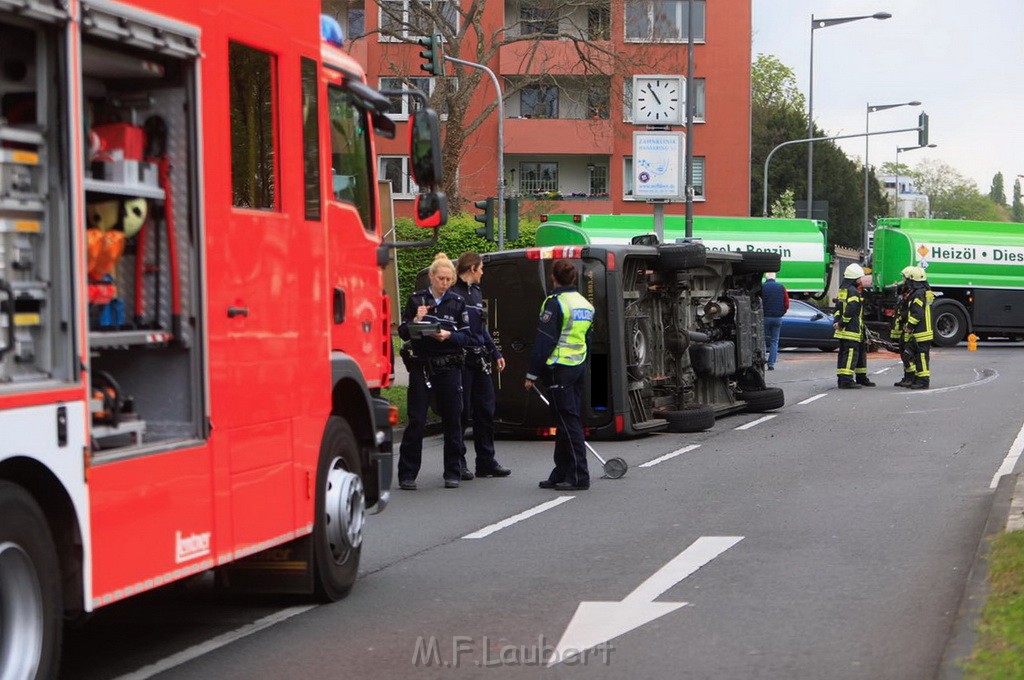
{"x": 1006, "y": 514}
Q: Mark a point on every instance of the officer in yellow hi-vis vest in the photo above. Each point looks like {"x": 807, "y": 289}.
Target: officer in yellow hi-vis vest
{"x": 560, "y": 355}
{"x": 848, "y": 321}
{"x": 919, "y": 328}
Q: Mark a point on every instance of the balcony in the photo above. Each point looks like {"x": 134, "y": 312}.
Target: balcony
{"x": 569, "y": 179}
{"x": 558, "y": 136}
{"x": 552, "y": 34}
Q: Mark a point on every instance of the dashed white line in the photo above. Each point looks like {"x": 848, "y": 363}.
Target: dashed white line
{"x": 756, "y": 422}
{"x": 1011, "y": 458}
{"x": 488, "y": 530}
{"x": 882, "y": 370}
{"x": 667, "y": 456}
{"x": 808, "y": 400}
{"x": 199, "y": 650}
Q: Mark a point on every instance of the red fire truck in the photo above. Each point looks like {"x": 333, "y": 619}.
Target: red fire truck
{"x": 193, "y": 328}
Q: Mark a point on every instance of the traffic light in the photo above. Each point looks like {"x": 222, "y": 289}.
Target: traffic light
{"x": 432, "y": 55}
{"x": 511, "y": 219}
{"x": 487, "y": 218}
{"x": 922, "y": 129}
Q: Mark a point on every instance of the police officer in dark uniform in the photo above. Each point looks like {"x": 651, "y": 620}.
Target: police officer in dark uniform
{"x": 434, "y": 361}
{"x": 477, "y": 388}
{"x": 560, "y": 355}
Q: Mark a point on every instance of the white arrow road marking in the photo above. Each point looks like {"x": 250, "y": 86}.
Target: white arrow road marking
{"x": 595, "y": 623}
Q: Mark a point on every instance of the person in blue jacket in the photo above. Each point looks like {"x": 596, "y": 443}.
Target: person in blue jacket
{"x": 477, "y": 388}
{"x": 775, "y": 302}
{"x": 434, "y": 361}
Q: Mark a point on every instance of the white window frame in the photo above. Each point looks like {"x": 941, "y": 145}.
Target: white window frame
{"x": 394, "y": 83}
{"x": 699, "y": 175}
{"x": 406, "y": 33}
{"x": 409, "y": 188}
{"x": 700, "y": 28}
{"x": 700, "y": 95}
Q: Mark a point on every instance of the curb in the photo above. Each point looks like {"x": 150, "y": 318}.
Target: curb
{"x": 1005, "y": 513}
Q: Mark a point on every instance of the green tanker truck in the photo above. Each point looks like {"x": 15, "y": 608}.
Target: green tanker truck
{"x": 975, "y": 268}
{"x": 801, "y": 243}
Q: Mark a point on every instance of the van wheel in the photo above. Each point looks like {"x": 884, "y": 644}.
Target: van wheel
{"x": 30, "y": 592}
{"x": 949, "y": 324}
{"x": 340, "y": 512}
{"x": 759, "y": 401}
{"x": 676, "y": 256}
{"x": 757, "y": 262}
{"x": 693, "y": 418}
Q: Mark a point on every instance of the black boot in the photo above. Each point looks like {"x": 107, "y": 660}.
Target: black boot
{"x": 865, "y": 381}
{"x": 848, "y": 384}
{"x": 908, "y": 378}
{"x": 920, "y": 384}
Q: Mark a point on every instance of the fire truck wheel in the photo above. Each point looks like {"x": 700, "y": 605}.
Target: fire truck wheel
{"x": 340, "y": 512}
{"x": 30, "y": 595}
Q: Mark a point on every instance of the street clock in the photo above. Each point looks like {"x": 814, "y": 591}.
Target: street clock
{"x": 658, "y": 100}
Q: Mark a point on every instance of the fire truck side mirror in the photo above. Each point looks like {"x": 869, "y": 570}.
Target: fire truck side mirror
{"x": 431, "y": 209}
{"x": 425, "y": 148}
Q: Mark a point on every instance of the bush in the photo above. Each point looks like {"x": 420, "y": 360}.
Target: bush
{"x": 455, "y": 238}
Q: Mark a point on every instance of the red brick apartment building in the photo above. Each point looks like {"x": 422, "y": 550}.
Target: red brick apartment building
{"x": 567, "y": 128}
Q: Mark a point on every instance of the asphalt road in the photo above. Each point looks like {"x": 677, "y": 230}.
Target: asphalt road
{"x": 832, "y": 540}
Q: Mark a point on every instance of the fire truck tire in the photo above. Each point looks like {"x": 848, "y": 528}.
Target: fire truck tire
{"x": 340, "y": 512}
{"x": 757, "y": 262}
{"x": 676, "y": 256}
{"x": 949, "y": 324}
{"x": 693, "y": 418}
{"x": 31, "y": 616}
{"x": 759, "y": 401}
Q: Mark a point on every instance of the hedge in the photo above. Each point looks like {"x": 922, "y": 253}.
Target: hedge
{"x": 455, "y": 238}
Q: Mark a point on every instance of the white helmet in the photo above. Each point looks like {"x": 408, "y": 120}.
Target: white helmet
{"x": 853, "y": 271}
{"x": 907, "y": 271}
{"x": 917, "y": 274}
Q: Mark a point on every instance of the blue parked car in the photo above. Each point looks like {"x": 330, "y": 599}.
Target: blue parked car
{"x": 805, "y": 325}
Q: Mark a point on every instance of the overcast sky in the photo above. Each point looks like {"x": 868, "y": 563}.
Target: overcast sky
{"x": 964, "y": 61}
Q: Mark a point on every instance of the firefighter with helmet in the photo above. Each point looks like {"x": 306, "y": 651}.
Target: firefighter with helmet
{"x": 899, "y": 322}
{"x": 848, "y": 321}
{"x": 918, "y": 329}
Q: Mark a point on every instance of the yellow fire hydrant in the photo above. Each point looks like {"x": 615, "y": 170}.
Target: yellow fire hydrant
{"x": 972, "y": 343}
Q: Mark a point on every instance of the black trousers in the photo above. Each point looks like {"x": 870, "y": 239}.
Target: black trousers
{"x": 918, "y": 353}
{"x": 446, "y": 384}
{"x": 565, "y": 392}
{"x": 851, "y": 360}
{"x": 478, "y": 411}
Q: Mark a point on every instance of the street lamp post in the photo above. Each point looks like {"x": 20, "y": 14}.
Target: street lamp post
{"x": 896, "y": 184}
{"x": 815, "y": 25}
{"x": 872, "y": 108}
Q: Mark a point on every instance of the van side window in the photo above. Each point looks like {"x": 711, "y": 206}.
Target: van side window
{"x": 253, "y": 130}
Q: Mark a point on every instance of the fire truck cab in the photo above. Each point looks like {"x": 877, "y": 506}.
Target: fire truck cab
{"x": 193, "y": 327}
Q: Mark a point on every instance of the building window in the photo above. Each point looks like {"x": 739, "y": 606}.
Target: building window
{"x": 699, "y": 100}
{"x": 599, "y": 23}
{"x": 538, "y": 101}
{"x": 597, "y": 104}
{"x": 662, "y": 20}
{"x": 698, "y": 178}
{"x": 403, "y": 105}
{"x": 355, "y": 20}
{"x": 598, "y": 179}
{"x": 538, "y": 178}
{"x": 351, "y": 172}
{"x": 396, "y": 169}
{"x": 310, "y": 138}
{"x": 534, "y": 20}
{"x": 253, "y": 137}
{"x": 410, "y": 19}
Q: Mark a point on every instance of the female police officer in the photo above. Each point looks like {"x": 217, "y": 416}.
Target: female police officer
{"x": 435, "y": 366}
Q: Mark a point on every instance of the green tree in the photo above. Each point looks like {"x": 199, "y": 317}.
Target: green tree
{"x": 998, "y": 193}
{"x": 778, "y": 115}
{"x": 954, "y": 196}
{"x": 785, "y": 206}
{"x": 1017, "y": 212}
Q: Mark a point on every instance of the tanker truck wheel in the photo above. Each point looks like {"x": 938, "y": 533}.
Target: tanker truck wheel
{"x": 340, "y": 512}
{"x": 949, "y": 324}
{"x": 30, "y": 600}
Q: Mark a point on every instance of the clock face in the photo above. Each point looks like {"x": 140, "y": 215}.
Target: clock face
{"x": 657, "y": 100}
